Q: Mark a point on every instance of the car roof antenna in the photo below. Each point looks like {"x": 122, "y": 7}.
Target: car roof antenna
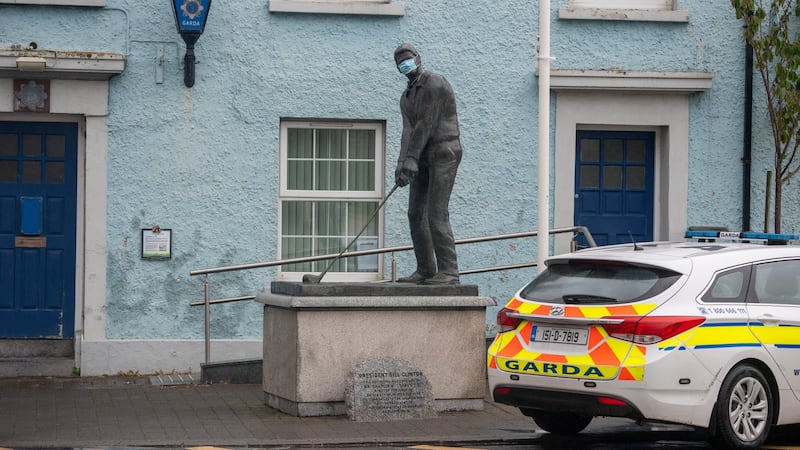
{"x": 635, "y": 247}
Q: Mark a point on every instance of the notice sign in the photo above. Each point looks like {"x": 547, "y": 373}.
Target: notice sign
{"x": 156, "y": 243}
{"x": 367, "y": 263}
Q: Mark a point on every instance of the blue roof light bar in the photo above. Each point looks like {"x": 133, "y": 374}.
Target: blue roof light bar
{"x": 742, "y": 236}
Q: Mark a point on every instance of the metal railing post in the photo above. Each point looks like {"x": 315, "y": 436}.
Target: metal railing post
{"x": 208, "y": 320}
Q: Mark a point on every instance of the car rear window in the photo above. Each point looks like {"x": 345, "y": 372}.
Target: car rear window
{"x": 583, "y": 282}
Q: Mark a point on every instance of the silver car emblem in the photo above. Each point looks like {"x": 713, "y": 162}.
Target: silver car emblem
{"x": 557, "y": 311}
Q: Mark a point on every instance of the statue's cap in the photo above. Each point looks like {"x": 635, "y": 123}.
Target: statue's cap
{"x": 405, "y": 48}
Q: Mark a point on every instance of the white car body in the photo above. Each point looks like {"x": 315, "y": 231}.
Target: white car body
{"x": 675, "y": 380}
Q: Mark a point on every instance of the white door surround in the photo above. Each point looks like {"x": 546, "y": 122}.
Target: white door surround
{"x": 631, "y": 101}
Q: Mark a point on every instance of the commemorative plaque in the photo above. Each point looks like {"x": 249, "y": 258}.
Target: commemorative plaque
{"x": 382, "y": 389}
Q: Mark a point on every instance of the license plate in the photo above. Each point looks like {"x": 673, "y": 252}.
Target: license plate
{"x": 559, "y": 335}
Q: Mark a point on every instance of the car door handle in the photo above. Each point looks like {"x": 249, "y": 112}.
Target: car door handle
{"x": 769, "y": 319}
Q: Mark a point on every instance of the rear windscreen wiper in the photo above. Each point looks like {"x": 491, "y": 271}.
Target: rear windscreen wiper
{"x": 586, "y": 299}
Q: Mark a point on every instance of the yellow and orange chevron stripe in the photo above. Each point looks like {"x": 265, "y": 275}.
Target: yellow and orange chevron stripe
{"x": 605, "y": 359}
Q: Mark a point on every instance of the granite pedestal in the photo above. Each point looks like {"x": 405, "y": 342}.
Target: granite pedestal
{"x": 314, "y": 334}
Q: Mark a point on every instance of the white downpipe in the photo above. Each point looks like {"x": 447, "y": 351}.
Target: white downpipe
{"x": 543, "y": 200}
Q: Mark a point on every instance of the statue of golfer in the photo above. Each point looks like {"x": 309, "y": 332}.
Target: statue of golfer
{"x": 430, "y": 151}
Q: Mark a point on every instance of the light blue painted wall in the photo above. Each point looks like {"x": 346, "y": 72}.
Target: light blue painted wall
{"x": 203, "y": 161}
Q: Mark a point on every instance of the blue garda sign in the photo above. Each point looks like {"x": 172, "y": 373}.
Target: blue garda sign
{"x": 190, "y": 15}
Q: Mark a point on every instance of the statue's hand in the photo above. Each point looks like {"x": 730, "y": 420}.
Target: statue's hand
{"x": 406, "y": 171}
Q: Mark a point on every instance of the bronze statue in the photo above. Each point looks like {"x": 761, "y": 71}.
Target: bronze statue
{"x": 430, "y": 151}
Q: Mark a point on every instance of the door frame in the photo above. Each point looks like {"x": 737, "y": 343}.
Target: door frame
{"x": 649, "y": 165}
{"x": 84, "y": 102}
{"x": 665, "y": 114}
{"x": 77, "y": 306}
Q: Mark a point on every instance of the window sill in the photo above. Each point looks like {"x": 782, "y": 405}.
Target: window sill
{"x": 630, "y": 81}
{"x": 99, "y": 3}
{"x": 639, "y": 15}
{"x": 344, "y": 7}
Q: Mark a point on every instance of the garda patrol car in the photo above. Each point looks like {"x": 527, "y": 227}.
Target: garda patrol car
{"x": 703, "y": 333}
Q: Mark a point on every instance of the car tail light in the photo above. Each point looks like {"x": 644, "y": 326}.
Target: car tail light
{"x": 650, "y": 329}
{"x": 611, "y": 401}
{"x": 506, "y": 323}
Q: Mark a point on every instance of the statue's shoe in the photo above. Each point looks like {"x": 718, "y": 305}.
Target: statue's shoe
{"x": 415, "y": 277}
{"x": 441, "y": 278}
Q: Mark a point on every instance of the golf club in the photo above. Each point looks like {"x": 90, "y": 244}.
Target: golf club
{"x": 313, "y": 279}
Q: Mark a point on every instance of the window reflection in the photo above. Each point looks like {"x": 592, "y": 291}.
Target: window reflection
{"x": 612, "y": 150}
{"x": 31, "y": 145}
{"x": 590, "y": 177}
{"x": 634, "y": 177}
{"x": 612, "y": 177}
{"x": 8, "y": 171}
{"x": 31, "y": 172}
{"x": 54, "y": 172}
{"x": 8, "y": 145}
{"x": 590, "y": 150}
{"x": 56, "y": 145}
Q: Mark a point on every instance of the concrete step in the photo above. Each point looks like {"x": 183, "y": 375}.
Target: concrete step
{"x": 37, "y": 348}
{"x": 36, "y": 367}
{"x": 241, "y": 371}
{"x": 36, "y": 357}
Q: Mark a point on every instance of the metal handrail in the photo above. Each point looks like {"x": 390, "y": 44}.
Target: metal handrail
{"x": 462, "y": 272}
{"x": 207, "y": 302}
{"x": 374, "y": 251}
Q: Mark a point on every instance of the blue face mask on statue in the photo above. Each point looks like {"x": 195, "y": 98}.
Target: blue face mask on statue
{"x": 407, "y": 66}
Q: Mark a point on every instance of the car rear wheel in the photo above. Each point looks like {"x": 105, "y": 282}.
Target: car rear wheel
{"x": 561, "y": 422}
{"x": 745, "y": 409}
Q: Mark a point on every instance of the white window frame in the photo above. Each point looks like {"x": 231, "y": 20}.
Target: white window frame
{"x": 366, "y": 7}
{"x": 97, "y": 3}
{"x": 376, "y": 195}
{"x": 624, "y": 4}
{"x": 632, "y": 10}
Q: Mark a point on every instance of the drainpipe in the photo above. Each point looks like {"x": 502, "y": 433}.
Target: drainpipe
{"x": 748, "y": 137}
{"x": 543, "y": 201}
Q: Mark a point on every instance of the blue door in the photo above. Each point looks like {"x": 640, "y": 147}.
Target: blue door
{"x": 614, "y": 185}
{"x": 38, "y": 173}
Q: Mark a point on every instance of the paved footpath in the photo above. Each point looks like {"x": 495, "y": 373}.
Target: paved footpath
{"x": 131, "y": 411}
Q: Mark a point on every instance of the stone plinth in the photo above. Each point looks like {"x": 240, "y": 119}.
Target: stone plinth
{"x": 315, "y": 334}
